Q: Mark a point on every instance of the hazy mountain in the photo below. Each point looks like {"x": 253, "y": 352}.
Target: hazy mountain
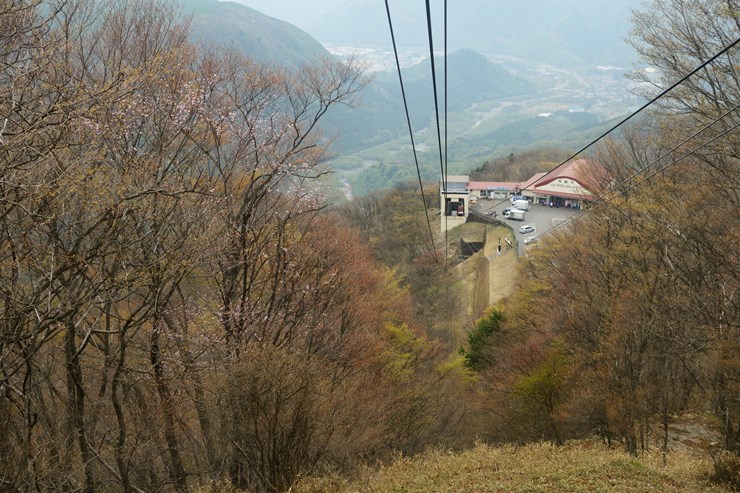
{"x": 495, "y": 107}
{"x": 472, "y": 79}
{"x": 562, "y": 32}
{"x": 260, "y": 36}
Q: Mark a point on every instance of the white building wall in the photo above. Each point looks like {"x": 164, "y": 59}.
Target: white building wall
{"x": 449, "y": 222}
{"x": 564, "y": 185}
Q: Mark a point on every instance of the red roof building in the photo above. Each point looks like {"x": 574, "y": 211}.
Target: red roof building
{"x": 568, "y": 185}
{"x": 574, "y": 180}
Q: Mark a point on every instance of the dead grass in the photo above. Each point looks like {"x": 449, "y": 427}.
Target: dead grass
{"x": 578, "y": 467}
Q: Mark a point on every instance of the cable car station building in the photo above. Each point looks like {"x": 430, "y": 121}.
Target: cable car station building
{"x": 454, "y": 201}
{"x": 567, "y": 186}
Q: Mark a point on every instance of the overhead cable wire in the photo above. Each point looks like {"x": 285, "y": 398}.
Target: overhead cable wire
{"x": 436, "y": 113}
{"x": 411, "y": 133}
{"x": 607, "y": 197}
{"x": 445, "y": 176}
{"x": 446, "y": 84}
{"x": 434, "y": 87}
{"x": 622, "y": 192}
{"x": 445, "y": 103}
{"x": 635, "y": 113}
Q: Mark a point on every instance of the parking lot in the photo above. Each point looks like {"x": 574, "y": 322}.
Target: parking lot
{"x": 542, "y": 217}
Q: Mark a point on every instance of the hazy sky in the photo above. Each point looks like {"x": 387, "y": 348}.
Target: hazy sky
{"x": 590, "y": 31}
{"x": 324, "y": 19}
{"x": 298, "y": 12}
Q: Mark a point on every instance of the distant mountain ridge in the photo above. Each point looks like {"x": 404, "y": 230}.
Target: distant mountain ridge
{"x": 569, "y": 33}
{"x": 262, "y": 37}
{"x": 473, "y": 79}
{"x": 491, "y": 109}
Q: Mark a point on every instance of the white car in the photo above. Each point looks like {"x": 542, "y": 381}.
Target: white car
{"x": 530, "y": 240}
{"x": 527, "y": 228}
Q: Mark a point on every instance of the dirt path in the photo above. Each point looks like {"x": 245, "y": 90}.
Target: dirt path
{"x": 502, "y": 267}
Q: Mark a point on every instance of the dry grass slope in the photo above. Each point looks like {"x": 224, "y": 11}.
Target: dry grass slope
{"x": 581, "y": 467}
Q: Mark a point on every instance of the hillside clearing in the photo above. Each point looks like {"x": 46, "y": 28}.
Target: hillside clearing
{"x": 484, "y": 278}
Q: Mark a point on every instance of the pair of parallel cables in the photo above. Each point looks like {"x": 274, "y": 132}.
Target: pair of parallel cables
{"x": 443, "y": 159}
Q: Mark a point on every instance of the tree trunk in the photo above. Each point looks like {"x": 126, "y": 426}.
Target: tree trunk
{"x": 199, "y": 399}
{"x": 665, "y": 434}
{"x": 176, "y": 469}
{"x": 120, "y": 417}
{"x": 76, "y": 404}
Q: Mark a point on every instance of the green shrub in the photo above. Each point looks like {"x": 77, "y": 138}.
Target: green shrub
{"x": 482, "y": 337}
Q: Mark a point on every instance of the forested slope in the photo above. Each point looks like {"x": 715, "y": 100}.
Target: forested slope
{"x": 177, "y": 306}
{"x": 626, "y": 317}
{"x": 182, "y": 307}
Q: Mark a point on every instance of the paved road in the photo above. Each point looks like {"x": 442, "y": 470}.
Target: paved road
{"x": 542, "y": 217}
